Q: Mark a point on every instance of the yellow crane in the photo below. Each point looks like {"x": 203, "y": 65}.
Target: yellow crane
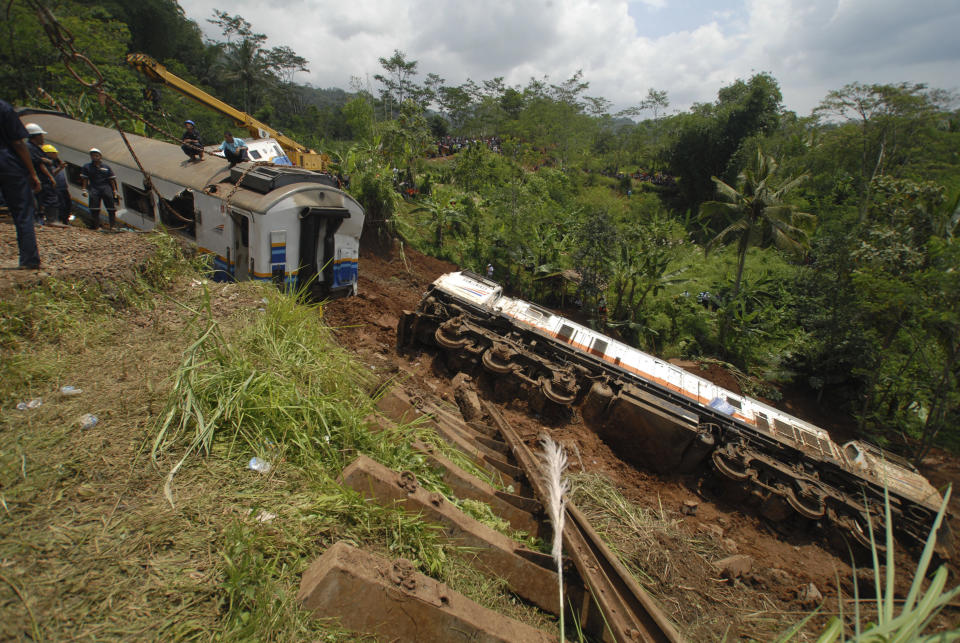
{"x": 299, "y": 155}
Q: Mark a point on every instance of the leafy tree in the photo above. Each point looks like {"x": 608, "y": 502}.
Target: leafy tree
{"x": 455, "y": 104}
{"x": 594, "y": 237}
{"x": 158, "y": 28}
{"x": 28, "y": 61}
{"x": 940, "y": 318}
{"x": 705, "y": 140}
{"x": 405, "y": 140}
{"x": 429, "y": 93}
{"x": 359, "y": 116}
{"x": 248, "y": 63}
{"x": 443, "y": 212}
{"x": 397, "y": 83}
{"x": 656, "y": 101}
{"x": 891, "y": 123}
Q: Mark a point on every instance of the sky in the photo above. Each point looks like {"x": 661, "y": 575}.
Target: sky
{"x": 688, "y": 48}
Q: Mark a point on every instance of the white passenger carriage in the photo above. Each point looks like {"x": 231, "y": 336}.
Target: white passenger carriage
{"x": 282, "y": 224}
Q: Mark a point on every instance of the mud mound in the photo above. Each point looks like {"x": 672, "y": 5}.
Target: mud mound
{"x": 75, "y": 254}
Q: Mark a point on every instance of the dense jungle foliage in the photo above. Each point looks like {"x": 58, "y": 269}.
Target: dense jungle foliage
{"x": 814, "y": 251}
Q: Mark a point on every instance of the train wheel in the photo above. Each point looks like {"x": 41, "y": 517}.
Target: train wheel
{"x": 496, "y": 359}
{"x": 809, "y": 505}
{"x": 730, "y": 467}
{"x": 859, "y": 528}
{"x": 855, "y": 525}
{"x": 449, "y": 340}
{"x": 920, "y": 514}
{"x": 556, "y": 392}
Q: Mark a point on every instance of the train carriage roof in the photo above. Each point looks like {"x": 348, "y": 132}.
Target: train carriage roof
{"x": 162, "y": 160}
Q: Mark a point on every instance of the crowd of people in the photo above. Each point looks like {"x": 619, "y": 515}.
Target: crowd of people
{"x": 657, "y": 178}
{"x": 452, "y": 144}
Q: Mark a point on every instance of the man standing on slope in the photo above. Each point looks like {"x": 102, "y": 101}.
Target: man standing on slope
{"x": 18, "y": 182}
{"x": 97, "y": 177}
{"x": 47, "y": 203}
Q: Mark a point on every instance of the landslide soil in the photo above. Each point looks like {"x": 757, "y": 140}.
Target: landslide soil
{"x": 786, "y": 557}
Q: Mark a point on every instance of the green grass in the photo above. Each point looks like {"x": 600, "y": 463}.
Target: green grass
{"x": 910, "y": 620}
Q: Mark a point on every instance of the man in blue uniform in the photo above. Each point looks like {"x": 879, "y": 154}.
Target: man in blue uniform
{"x": 18, "y": 182}
{"x": 98, "y": 179}
{"x": 60, "y": 179}
{"x": 234, "y": 149}
{"x": 47, "y": 202}
{"x": 192, "y": 145}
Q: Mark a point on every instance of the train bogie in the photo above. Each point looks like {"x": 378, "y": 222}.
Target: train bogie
{"x": 664, "y": 418}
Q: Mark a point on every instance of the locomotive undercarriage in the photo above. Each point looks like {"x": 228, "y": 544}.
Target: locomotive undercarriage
{"x": 659, "y": 430}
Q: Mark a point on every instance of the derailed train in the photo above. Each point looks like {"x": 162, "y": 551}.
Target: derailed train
{"x": 282, "y": 224}
{"x": 669, "y": 420}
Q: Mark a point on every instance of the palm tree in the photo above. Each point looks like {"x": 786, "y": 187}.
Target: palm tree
{"x": 757, "y": 208}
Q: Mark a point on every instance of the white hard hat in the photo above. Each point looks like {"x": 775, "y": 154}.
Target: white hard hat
{"x": 33, "y": 128}
{"x": 95, "y": 150}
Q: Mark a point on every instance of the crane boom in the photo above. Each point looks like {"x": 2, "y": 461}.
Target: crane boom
{"x": 299, "y": 155}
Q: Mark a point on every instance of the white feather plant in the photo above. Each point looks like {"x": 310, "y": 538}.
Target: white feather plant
{"x": 554, "y": 464}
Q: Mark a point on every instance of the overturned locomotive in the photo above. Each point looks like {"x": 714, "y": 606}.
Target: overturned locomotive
{"x": 667, "y": 419}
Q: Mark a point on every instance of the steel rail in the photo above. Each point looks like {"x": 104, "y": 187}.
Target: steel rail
{"x": 628, "y": 612}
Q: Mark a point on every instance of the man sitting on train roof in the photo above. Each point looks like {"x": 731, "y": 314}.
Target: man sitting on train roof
{"x": 97, "y": 178}
{"x": 234, "y": 149}
{"x": 192, "y": 145}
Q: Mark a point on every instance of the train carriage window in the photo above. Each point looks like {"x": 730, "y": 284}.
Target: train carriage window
{"x": 535, "y": 314}
{"x": 255, "y": 155}
{"x": 734, "y": 402}
{"x": 599, "y": 347}
{"x": 138, "y": 200}
{"x": 566, "y": 332}
{"x": 73, "y": 174}
{"x": 179, "y": 214}
{"x": 762, "y": 422}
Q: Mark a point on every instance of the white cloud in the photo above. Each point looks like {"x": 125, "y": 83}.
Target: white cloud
{"x": 810, "y": 46}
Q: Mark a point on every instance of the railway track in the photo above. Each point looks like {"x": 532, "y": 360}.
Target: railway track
{"x": 390, "y": 599}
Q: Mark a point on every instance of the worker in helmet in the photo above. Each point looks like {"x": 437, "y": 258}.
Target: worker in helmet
{"x": 192, "y": 144}
{"x": 99, "y": 181}
{"x": 47, "y": 202}
{"x": 18, "y": 183}
{"x": 60, "y": 180}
